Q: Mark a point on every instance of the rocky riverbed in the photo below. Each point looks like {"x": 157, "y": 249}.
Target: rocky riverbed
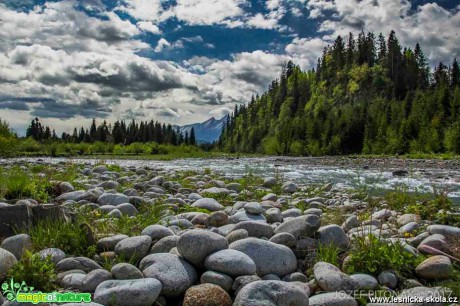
{"x": 165, "y": 234}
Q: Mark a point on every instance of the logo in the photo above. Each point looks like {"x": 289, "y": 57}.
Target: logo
{"x": 21, "y": 293}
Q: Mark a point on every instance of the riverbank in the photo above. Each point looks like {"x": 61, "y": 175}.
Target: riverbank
{"x": 172, "y": 235}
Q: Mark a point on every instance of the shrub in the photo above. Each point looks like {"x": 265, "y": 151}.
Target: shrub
{"x": 35, "y": 272}
{"x": 371, "y": 255}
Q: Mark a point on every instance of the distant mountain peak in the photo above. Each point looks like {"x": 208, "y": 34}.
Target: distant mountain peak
{"x": 207, "y": 131}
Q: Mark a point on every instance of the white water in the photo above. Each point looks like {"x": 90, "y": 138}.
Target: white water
{"x": 375, "y": 180}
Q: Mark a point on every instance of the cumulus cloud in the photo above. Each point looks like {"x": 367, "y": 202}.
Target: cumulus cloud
{"x": 305, "y": 51}
{"x": 148, "y": 26}
{"x": 207, "y": 12}
{"x": 433, "y": 26}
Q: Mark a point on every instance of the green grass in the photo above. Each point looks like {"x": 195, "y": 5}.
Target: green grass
{"x": 328, "y": 253}
{"x": 70, "y": 237}
{"x": 370, "y": 255}
{"x": 35, "y": 272}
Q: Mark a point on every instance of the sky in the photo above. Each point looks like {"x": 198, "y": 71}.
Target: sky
{"x": 182, "y": 61}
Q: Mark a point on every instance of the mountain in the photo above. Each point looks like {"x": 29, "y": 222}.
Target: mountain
{"x": 207, "y": 131}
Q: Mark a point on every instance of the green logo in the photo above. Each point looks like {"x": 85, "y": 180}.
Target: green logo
{"x": 21, "y": 293}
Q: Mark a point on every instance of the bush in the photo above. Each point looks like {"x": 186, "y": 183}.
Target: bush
{"x": 35, "y": 272}
{"x": 67, "y": 236}
{"x": 370, "y": 255}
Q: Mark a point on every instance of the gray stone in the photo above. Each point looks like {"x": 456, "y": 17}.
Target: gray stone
{"x": 330, "y": 278}
{"x": 303, "y": 226}
{"x": 164, "y": 245}
{"x": 270, "y": 258}
{"x": 73, "y": 281}
{"x": 407, "y": 218}
{"x": 94, "y": 278}
{"x": 17, "y": 245}
{"x": 289, "y": 187}
{"x": 388, "y": 279}
{"x": 216, "y": 278}
{"x": 65, "y": 187}
{"x": 271, "y": 293}
{"x": 255, "y": 229}
{"x": 243, "y": 215}
{"x": 71, "y": 196}
{"x": 115, "y": 213}
{"x": 333, "y": 235}
{"x": 364, "y": 282}
{"x": 133, "y": 247}
{"x": 253, "y": 208}
{"x": 230, "y": 262}
{"x": 350, "y": 223}
{"x": 242, "y": 281}
{"x": 332, "y": 299}
{"x": 410, "y": 228}
{"x": 127, "y": 209}
{"x": 270, "y": 197}
{"x": 382, "y": 214}
{"x": 77, "y": 263}
{"x": 435, "y": 268}
{"x": 284, "y": 239}
{"x": 112, "y": 199}
{"x": 138, "y": 292}
{"x": 273, "y": 215}
{"x": 217, "y": 219}
{"x": 269, "y": 182}
{"x": 55, "y": 255}
{"x": 109, "y": 243}
{"x": 157, "y": 232}
{"x": 175, "y": 274}
{"x": 126, "y": 271}
{"x": 100, "y": 169}
{"x": 291, "y": 213}
{"x": 295, "y": 277}
{"x": 436, "y": 241}
{"x": 271, "y": 277}
{"x": 7, "y": 260}
{"x": 196, "y": 245}
{"x": 234, "y": 187}
{"x": 208, "y": 203}
{"x": 237, "y": 235}
{"x": 445, "y": 230}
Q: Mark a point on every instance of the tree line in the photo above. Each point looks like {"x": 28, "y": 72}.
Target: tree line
{"x": 120, "y": 133}
{"x": 366, "y": 95}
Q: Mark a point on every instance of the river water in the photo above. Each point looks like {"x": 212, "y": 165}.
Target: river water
{"x": 421, "y": 177}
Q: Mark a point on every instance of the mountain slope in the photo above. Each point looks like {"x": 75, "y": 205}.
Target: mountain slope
{"x": 207, "y": 131}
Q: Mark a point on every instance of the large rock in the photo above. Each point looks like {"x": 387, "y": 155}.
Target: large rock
{"x": 255, "y": 229}
{"x": 175, "y": 274}
{"x": 330, "y": 278}
{"x": 7, "y": 260}
{"x": 54, "y": 254}
{"x": 94, "y": 278}
{"x": 243, "y": 215}
{"x": 133, "y": 247}
{"x": 364, "y": 282}
{"x": 137, "y": 292}
{"x": 271, "y": 293}
{"x": 77, "y": 263}
{"x": 164, "y": 245}
{"x": 333, "y": 235}
{"x": 231, "y": 262}
{"x": 126, "y": 271}
{"x": 435, "y": 268}
{"x": 17, "y": 245}
{"x": 207, "y": 295}
{"x": 269, "y": 257}
{"x": 217, "y": 278}
{"x": 156, "y": 232}
{"x": 289, "y": 187}
{"x": 109, "y": 243}
{"x": 332, "y": 299}
{"x": 112, "y": 199}
{"x": 445, "y": 230}
{"x": 303, "y": 226}
{"x": 196, "y": 245}
{"x": 208, "y": 203}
